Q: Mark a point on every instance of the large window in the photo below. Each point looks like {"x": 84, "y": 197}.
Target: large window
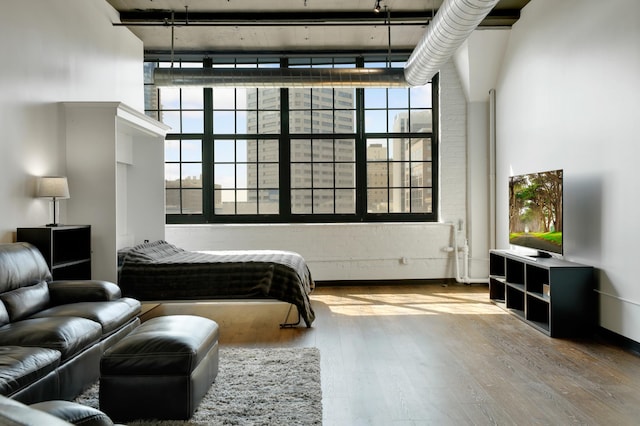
{"x": 297, "y": 155}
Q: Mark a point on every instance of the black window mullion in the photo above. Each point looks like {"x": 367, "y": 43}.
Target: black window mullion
{"x": 208, "y": 190}
{"x": 284, "y": 153}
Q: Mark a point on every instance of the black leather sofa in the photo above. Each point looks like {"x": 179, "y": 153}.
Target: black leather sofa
{"x": 50, "y": 413}
{"x": 53, "y": 333}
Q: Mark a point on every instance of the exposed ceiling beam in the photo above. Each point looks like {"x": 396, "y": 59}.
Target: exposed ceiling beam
{"x": 497, "y": 18}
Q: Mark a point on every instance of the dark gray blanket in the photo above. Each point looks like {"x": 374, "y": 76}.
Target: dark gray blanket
{"x": 161, "y": 271}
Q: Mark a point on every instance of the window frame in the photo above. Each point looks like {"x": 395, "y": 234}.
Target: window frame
{"x": 285, "y": 215}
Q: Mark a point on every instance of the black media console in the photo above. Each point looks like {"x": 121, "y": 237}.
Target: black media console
{"x": 552, "y": 295}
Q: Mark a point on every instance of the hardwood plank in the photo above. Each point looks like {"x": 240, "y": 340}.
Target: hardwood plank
{"x": 438, "y": 354}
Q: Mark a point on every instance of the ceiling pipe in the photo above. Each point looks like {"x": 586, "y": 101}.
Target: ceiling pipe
{"x": 452, "y": 25}
{"x": 280, "y": 77}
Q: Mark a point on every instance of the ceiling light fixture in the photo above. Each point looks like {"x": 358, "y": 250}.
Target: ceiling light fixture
{"x": 377, "y": 7}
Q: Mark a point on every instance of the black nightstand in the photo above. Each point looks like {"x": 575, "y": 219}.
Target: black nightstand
{"x": 66, "y": 248}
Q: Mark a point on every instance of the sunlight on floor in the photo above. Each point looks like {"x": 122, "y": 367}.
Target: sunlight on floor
{"x": 384, "y": 304}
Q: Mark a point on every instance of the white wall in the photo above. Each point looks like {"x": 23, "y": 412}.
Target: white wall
{"x": 51, "y": 54}
{"x": 567, "y": 98}
{"x": 369, "y": 251}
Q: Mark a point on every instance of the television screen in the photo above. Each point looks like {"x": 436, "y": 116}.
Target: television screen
{"x": 535, "y": 211}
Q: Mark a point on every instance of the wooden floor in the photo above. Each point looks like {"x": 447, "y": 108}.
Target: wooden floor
{"x": 438, "y": 355}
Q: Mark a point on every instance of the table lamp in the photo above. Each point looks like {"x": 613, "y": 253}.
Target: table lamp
{"x": 54, "y": 187}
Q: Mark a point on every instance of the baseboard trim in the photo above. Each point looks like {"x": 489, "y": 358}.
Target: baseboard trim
{"x": 347, "y": 283}
{"x": 618, "y": 340}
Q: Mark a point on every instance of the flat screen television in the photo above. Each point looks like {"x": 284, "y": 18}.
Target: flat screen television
{"x": 535, "y": 212}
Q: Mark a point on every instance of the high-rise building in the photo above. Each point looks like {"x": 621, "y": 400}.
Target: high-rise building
{"x": 410, "y": 172}
{"x": 319, "y": 165}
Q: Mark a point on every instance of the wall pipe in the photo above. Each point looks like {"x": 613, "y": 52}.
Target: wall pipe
{"x": 464, "y": 279}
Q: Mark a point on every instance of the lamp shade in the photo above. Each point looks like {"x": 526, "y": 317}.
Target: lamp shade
{"x": 53, "y": 187}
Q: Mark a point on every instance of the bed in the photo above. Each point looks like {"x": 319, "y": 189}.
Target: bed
{"x": 160, "y": 271}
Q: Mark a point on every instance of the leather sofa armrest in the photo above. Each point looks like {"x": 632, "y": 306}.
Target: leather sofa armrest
{"x": 16, "y": 413}
{"x": 74, "y": 413}
{"x": 72, "y": 291}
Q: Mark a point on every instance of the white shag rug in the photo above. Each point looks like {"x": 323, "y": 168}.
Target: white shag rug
{"x": 257, "y": 386}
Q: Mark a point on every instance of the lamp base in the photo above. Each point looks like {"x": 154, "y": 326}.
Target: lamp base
{"x": 51, "y": 225}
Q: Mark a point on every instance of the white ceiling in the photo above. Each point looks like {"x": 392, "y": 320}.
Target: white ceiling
{"x": 275, "y": 26}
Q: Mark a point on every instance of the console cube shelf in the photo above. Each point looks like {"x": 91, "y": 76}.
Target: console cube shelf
{"x": 552, "y": 295}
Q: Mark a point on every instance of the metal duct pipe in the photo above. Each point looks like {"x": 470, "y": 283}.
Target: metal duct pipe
{"x": 280, "y": 77}
{"x": 454, "y": 22}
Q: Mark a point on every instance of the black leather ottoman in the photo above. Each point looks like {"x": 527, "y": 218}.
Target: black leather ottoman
{"x": 161, "y": 370}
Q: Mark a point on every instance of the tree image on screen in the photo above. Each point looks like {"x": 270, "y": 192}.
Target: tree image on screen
{"x": 535, "y": 210}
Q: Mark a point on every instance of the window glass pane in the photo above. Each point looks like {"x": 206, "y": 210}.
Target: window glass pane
{"x": 301, "y": 201}
{"x": 269, "y": 176}
{"x": 322, "y": 175}
{"x": 245, "y": 151}
{"x": 323, "y": 121}
{"x": 417, "y": 173}
{"x": 242, "y": 124}
{"x": 398, "y": 121}
{"x": 224, "y": 151}
{"x": 172, "y": 175}
{"x": 299, "y": 99}
{"x": 399, "y": 200}
{"x": 344, "y": 99}
{"x": 301, "y": 150}
{"x": 224, "y": 200}
{"x": 421, "y": 121}
{"x": 172, "y": 201}
{"x": 169, "y": 98}
{"x": 224, "y": 175}
{"x": 192, "y": 175}
{"x": 345, "y": 201}
{"x": 247, "y": 202}
{"x": 375, "y": 98}
{"x": 300, "y": 122}
{"x": 421, "y": 149}
{"x": 398, "y": 98}
{"x": 192, "y": 150}
{"x": 323, "y": 150}
{"x": 345, "y": 150}
{"x": 269, "y": 201}
{"x": 301, "y": 175}
{"x": 192, "y": 98}
{"x": 244, "y": 95}
{"x": 377, "y": 200}
{"x": 323, "y": 202}
{"x": 376, "y": 149}
{"x": 191, "y": 201}
{"x": 192, "y": 122}
{"x": 344, "y": 121}
{"x": 246, "y": 175}
{"x": 268, "y": 150}
{"x": 268, "y": 122}
{"x": 375, "y": 121}
{"x": 269, "y": 99}
{"x": 224, "y": 98}
{"x": 377, "y": 175}
{"x": 345, "y": 175}
{"x": 171, "y": 119}
{"x": 223, "y": 122}
{"x": 420, "y": 96}
{"x": 171, "y": 150}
